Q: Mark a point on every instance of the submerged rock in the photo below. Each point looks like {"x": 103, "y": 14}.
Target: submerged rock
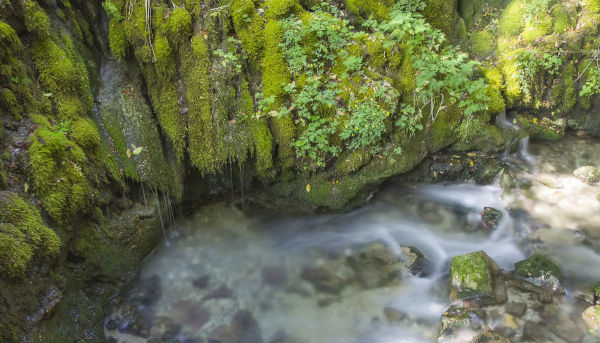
{"x": 540, "y": 271}
{"x": 587, "y": 174}
{"x": 490, "y": 218}
{"x": 472, "y": 276}
{"x": 325, "y": 279}
{"x": 223, "y": 292}
{"x": 147, "y": 292}
{"x": 591, "y": 317}
{"x": 377, "y": 265}
{"x": 201, "y": 282}
{"x": 243, "y": 328}
{"x": 489, "y": 336}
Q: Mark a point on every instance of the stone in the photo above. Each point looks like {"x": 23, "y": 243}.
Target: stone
{"x": 587, "y": 174}
{"x": 591, "y": 317}
{"x": 489, "y": 336}
{"x": 189, "y": 313}
{"x": 147, "y": 292}
{"x": 567, "y": 330}
{"x": 223, "y": 292}
{"x": 330, "y": 278}
{"x": 242, "y": 328}
{"x": 414, "y": 261}
{"x": 393, "y": 315}
{"x": 472, "y": 276}
{"x": 376, "y": 266}
{"x": 274, "y": 276}
{"x": 490, "y": 218}
{"x": 137, "y": 322}
{"x": 201, "y": 282}
{"x": 516, "y": 309}
{"x": 457, "y": 318}
{"x": 597, "y": 294}
{"x": 540, "y": 271}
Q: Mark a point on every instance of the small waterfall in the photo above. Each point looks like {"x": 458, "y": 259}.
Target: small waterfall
{"x": 513, "y": 129}
{"x": 524, "y": 151}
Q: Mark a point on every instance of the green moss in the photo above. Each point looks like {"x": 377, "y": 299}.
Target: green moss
{"x": 178, "y": 26}
{"x": 511, "y": 20}
{"x": 378, "y": 9}
{"x": 23, "y": 236}
{"x": 9, "y": 102}
{"x": 3, "y": 177}
{"x": 483, "y": 42}
{"x": 58, "y": 170}
{"x": 441, "y": 14}
{"x": 248, "y": 25}
{"x": 163, "y": 53}
{"x": 134, "y": 25}
{"x": 510, "y": 69}
{"x": 85, "y": 134}
{"x": 281, "y": 9}
{"x": 495, "y": 81}
{"x": 36, "y": 19}
{"x": 9, "y": 40}
{"x": 564, "y": 90}
{"x": 541, "y": 27}
{"x": 283, "y": 129}
{"x": 263, "y": 146}
{"x": 196, "y": 77}
{"x": 116, "y": 37}
{"x": 352, "y": 161}
{"x": 592, "y": 5}
{"x": 561, "y": 18}
{"x": 471, "y": 276}
{"x": 538, "y": 266}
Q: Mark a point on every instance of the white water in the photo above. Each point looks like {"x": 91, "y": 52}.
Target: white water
{"x": 233, "y": 249}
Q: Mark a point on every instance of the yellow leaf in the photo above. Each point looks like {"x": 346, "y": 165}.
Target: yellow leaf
{"x": 534, "y": 120}
{"x": 308, "y": 188}
{"x": 471, "y": 163}
{"x": 128, "y": 153}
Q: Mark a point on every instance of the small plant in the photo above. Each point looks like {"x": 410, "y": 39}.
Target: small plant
{"x": 529, "y": 63}
{"x": 112, "y": 10}
{"x": 592, "y": 84}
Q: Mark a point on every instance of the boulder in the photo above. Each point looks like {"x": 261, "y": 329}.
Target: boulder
{"x": 489, "y": 336}
{"x": 587, "y": 174}
{"x": 376, "y": 266}
{"x": 472, "y": 276}
{"x": 540, "y": 271}
{"x": 597, "y": 294}
{"x": 591, "y": 317}
{"x": 490, "y": 218}
{"x": 458, "y": 318}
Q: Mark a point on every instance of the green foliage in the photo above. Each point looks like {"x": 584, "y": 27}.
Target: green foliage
{"x": 280, "y": 9}
{"x": 229, "y": 59}
{"x": 23, "y": 235}
{"x": 530, "y": 62}
{"x": 116, "y": 38}
{"x": 483, "y": 42}
{"x": 592, "y": 83}
{"x": 36, "y": 19}
{"x": 112, "y": 10}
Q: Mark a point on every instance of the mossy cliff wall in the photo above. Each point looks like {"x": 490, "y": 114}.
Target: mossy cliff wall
{"x": 114, "y": 111}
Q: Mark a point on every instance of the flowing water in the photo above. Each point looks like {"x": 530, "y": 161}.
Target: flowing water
{"x": 288, "y": 280}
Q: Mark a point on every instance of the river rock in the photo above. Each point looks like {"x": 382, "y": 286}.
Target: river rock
{"x": 376, "y": 266}
{"x": 414, "y": 261}
{"x": 242, "y": 328}
{"x": 540, "y": 271}
{"x": 458, "y": 318}
{"x": 147, "y": 292}
{"x": 472, "y": 276}
{"x": 566, "y": 329}
{"x": 490, "y": 218}
{"x": 330, "y": 278}
{"x": 489, "y": 336}
{"x": 516, "y": 308}
{"x": 136, "y": 321}
{"x": 587, "y": 174}
{"x": 597, "y": 294}
{"x": 591, "y": 317}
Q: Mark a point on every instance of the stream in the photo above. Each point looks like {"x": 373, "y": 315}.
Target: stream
{"x": 229, "y": 276}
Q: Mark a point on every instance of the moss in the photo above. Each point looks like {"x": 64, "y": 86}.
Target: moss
{"x": 352, "y": 161}
{"x": 541, "y": 27}
{"x": 178, "y": 26}
{"x": 281, "y": 9}
{"x": 36, "y": 19}
{"x": 58, "y": 170}
{"x": 483, "y": 42}
{"x": 196, "y": 77}
{"x": 22, "y": 235}
{"x": 3, "y": 177}
{"x": 509, "y": 69}
{"x": 85, "y": 134}
{"x": 116, "y": 37}
{"x": 564, "y": 90}
{"x": 511, "y": 20}
{"x": 9, "y": 102}
{"x": 495, "y": 81}
{"x": 592, "y": 5}
{"x": 163, "y": 53}
{"x": 9, "y": 40}
{"x": 441, "y": 14}
{"x": 561, "y": 18}
{"x": 538, "y": 266}
{"x": 263, "y": 146}
{"x": 471, "y": 276}
{"x": 378, "y": 9}
{"x": 134, "y": 25}
{"x": 248, "y": 25}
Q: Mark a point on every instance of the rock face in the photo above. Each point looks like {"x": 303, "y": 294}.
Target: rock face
{"x": 540, "y": 271}
{"x": 587, "y": 174}
{"x": 591, "y": 317}
{"x": 472, "y": 276}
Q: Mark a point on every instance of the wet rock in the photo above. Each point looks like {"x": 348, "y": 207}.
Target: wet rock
{"x": 136, "y": 322}
{"x": 549, "y": 181}
{"x": 112, "y": 324}
{"x": 458, "y": 318}
{"x": 507, "y": 180}
{"x": 328, "y": 301}
{"x": 516, "y": 309}
{"x": 540, "y": 271}
{"x": 591, "y": 317}
{"x": 165, "y": 331}
{"x": 274, "y": 276}
{"x": 201, "y": 282}
{"x": 327, "y": 278}
{"x": 243, "y": 328}
{"x": 597, "y": 294}
{"x": 490, "y": 218}
{"x": 414, "y": 261}
{"x": 489, "y": 336}
{"x": 222, "y": 292}
{"x": 46, "y": 307}
{"x": 393, "y": 315}
{"x": 472, "y": 276}
{"x": 111, "y": 340}
{"x": 587, "y": 174}
{"x": 566, "y": 329}
{"x": 377, "y": 265}
{"x": 147, "y": 292}
{"x": 191, "y": 314}
{"x": 535, "y": 332}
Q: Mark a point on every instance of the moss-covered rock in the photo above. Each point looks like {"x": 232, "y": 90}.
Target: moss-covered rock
{"x": 472, "y": 276}
{"x": 591, "y": 317}
{"x": 36, "y": 19}
{"x": 85, "y": 133}
{"x": 23, "y": 236}
{"x": 587, "y": 174}
{"x": 512, "y": 19}
{"x": 483, "y": 43}
{"x": 540, "y": 271}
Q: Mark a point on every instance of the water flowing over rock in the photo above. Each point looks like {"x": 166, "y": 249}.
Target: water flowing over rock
{"x": 542, "y": 272}
{"x": 472, "y": 276}
{"x": 587, "y": 174}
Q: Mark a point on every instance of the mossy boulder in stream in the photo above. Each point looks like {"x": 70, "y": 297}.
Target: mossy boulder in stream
{"x": 541, "y": 271}
{"x": 591, "y": 317}
{"x": 587, "y": 174}
{"x": 597, "y": 294}
{"x": 472, "y": 276}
